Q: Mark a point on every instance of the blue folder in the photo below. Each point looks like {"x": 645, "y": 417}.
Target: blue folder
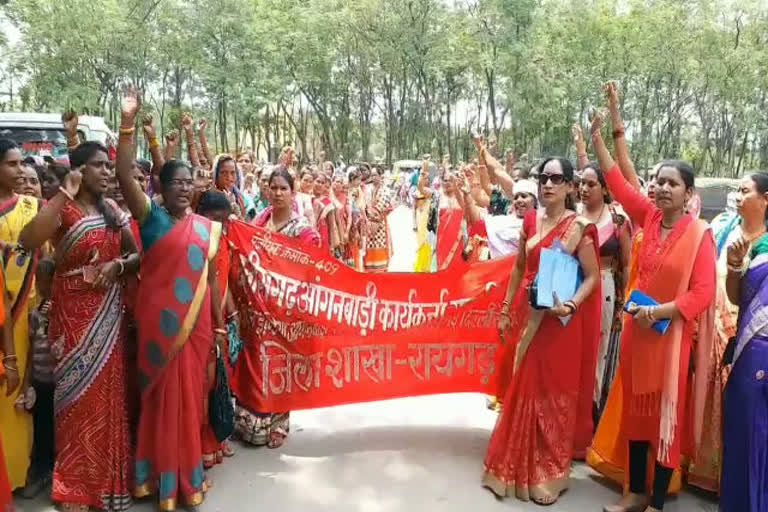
{"x": 560, "y": 273}
{"x": 638, "y": 298}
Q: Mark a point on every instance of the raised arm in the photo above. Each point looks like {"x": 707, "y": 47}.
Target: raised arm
{"x": 495, "y": 170}
{"x": 189, "y": 131}
{"x": 636, "y": 204}
{"x": 620, "y": 142}
{"x": 581, "y": 146}
{"x": 70, "y": 121}
{"x": 202, "y": 125}
{"x": 135, "y": 198}
{"x": 42, "y": 228}
{"x": 171, "y": 144}
{"x": 471, "y": 211}
{"x": 148, "y": 127}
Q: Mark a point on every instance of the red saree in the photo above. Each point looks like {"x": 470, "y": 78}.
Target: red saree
{"x": 88, "y": 332}
{"x": 547, "y": 413}
{"x": 213, "y": 452}
{"x": 6, "y": 497}
{"x": 449, "y": 236}
{"x": 175, "y": 337}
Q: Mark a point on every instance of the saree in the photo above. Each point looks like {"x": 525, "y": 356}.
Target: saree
{"x": 213, "y": 449}
{"x": 379, "y": 247}
{"x": 253, "y": 426}
{"x": 547, "y": 413}
{"x": 744, "y": 485}
{"x": 6, "y": 496}
{"x": 175, "y": 338}
{"x": 424, "y": 238}
{"x": 704, "y": 472}
{"x": 19, "y": 267}
{"x": 329, "y": 234}
{"x": 87, "y": 333}
{"x": 450, "y": 237}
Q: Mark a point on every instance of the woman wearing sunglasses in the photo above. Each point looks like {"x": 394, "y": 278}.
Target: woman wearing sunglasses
{"x": 676, "y": 268}
{"x": 548, "y": 373}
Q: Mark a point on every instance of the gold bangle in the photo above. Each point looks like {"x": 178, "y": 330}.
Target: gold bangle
{"x": 127, "y": 130}
{"x": 223, "y": 332}
{"x": 154, "y": 143}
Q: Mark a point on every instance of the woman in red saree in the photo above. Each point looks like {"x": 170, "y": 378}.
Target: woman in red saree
{"x": 326, "y": 214}
{"x": 254, "y": 426}
{"x": 655, "y": 366}
{"x": 448, "y": 232}
{"x": 547, "y": 412}
{"x": 215, "y": 206}
{"x": 180, "y": 318}
{"x": 87, "y": 331}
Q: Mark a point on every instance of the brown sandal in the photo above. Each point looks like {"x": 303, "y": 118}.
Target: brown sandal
{"x": 276, "y": 440}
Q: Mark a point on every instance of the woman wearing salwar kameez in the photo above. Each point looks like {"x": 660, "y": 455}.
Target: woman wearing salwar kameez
{"x": 744, "y": 485}
{"x": 256, "y": 427}
{"x": 179, "y": 313}
{"x": 95, "y": 249}
{"x": 655, "y": 365}
{"x": 16, "y": 211}
{"x": 550, "y": 360}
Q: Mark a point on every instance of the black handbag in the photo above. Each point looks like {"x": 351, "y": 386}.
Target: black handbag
{"x": 533, "y": 290}
{"x": 221, "y": 412}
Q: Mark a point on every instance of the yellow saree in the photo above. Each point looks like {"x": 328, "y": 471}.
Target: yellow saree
{"x": 15, "y": 425}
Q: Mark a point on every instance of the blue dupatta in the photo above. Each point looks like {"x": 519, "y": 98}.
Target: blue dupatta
{"x": 753, "y": 307}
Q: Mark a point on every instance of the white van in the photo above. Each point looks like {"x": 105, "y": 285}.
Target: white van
{"x": 44, "y": 135}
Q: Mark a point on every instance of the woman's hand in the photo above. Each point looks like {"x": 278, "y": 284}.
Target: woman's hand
{"x": 108, "y": 273}
{"x": 11, "y": 378}
{"x": 643, "y": 316}
{"x": 73, "y": 179}
{"x": 596, "y": 121}
{"x": 559, "y": 309}
{"x": 130, "y": 104}
{"x": 611, "y": 95}
{"x": 505, "y": 323}
{"x": 218, "y": 339}
{"x": 148, "y": 126}
{"x": 737, "y": 252}
{"x": 578, "y": 137}
{"x": 172, "y": 137}
{"x": 70, "y": 121}
{"x": 186, "y": 121}
{"x": 202, "y": 125}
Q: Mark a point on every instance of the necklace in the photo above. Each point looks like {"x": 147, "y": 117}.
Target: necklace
{"x": 599, "y": 217}
{"x": 544, "y": 231}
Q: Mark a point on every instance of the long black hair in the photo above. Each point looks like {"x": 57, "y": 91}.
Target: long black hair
{"x": 760, "y": 179}
{"x": 80, "y": 157}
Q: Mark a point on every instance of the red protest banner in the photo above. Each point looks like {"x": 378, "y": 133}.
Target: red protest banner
{"x": 317, "y": 333}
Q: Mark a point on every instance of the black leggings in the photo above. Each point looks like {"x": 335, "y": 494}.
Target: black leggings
{"x": 638, "y": 469}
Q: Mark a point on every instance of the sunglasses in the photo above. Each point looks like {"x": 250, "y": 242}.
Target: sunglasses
{"x": 556, "y": 179}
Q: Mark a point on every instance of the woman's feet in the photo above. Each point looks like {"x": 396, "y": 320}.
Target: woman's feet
{"x": 630, "y": 503}
{"x": 276, "y": 440}
{"x": 74, "y": 507}
{"x": 227, "y": 449}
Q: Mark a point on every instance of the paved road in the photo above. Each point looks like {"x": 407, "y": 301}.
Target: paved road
{"x": 414, "y": 454}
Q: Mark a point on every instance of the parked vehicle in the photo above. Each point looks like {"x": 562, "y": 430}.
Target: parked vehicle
{"x": 44, "y": 135}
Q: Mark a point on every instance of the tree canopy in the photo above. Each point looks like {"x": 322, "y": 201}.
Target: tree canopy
{"x": 390, "y": 79}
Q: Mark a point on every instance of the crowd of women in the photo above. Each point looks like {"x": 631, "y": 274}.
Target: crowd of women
{"x": 117, "y": 312}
